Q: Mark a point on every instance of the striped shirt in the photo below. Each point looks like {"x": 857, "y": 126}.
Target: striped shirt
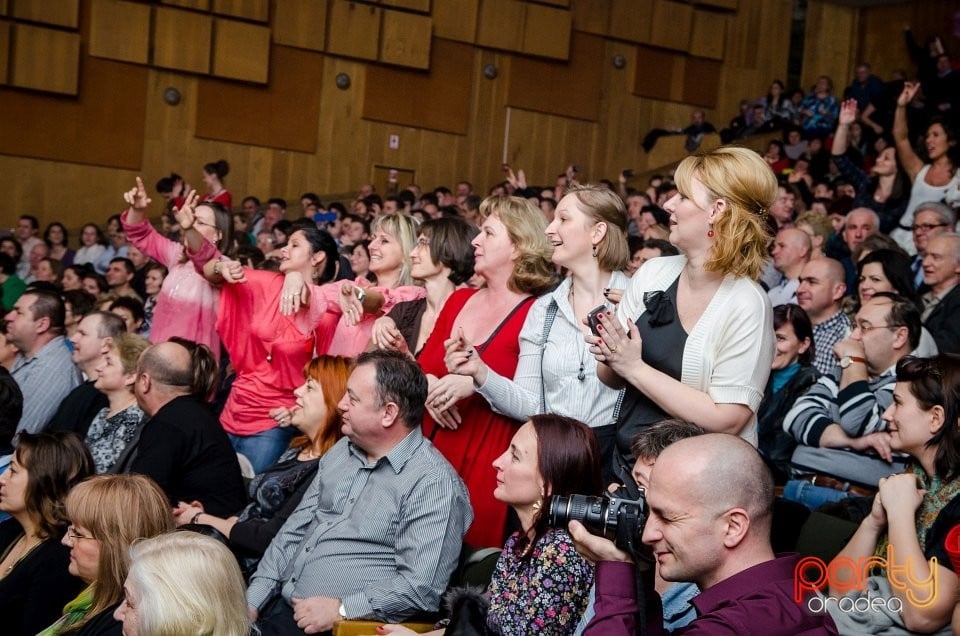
{"x": 45, "y": 379}
{"x": 825, "y": 335}
{"x": 382, "y": 536}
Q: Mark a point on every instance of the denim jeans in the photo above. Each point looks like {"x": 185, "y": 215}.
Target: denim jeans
{"x": 264, "y": 448}
{"x": 802, "y": 491}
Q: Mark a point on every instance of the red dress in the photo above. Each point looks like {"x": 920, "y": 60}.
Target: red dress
{"x": 483, "y": 435}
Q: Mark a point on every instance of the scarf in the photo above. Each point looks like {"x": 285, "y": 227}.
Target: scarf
{"x": 938, "y": 495}
{"x": 73, "y": 612}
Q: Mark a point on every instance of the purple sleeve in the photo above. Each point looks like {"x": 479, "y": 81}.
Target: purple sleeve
{"x": 616, "y": 600}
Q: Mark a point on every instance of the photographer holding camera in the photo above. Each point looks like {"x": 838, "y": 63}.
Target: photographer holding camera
{"x": 710, "y": 501}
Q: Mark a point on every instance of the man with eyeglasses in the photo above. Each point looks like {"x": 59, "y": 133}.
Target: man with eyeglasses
{"x": 931, "y": 218}
{"x": 843, "y": 444}
{"x": 941, "y": 301}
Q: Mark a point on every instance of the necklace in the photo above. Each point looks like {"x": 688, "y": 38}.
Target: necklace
{"x": 581, "y": 374}
{"x": 26, "y": 547}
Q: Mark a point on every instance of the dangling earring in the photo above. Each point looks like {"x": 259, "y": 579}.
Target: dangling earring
{"x": 537, "y": 505}
{"x": 710, "y": 232}
{"x": 594, "y": 251}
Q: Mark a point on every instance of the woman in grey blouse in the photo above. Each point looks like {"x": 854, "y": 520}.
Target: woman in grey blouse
{"x": 115, "y": 426}
{"x": 556, "y": 373}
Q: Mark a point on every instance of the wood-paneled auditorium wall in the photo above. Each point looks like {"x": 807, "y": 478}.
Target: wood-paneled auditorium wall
{"x": 257, "y": 79}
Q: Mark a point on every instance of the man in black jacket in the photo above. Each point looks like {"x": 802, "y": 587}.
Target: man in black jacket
{"x": 182, "y": 446}
{"x": 941, "y": 301}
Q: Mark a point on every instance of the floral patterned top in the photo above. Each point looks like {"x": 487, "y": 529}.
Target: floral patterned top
{"x": 109, "y": 436}
{"x": 546, "y": 594}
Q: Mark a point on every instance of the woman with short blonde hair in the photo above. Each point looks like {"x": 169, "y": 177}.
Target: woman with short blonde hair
{"x": 183, "y": 583}
{"x": 107, "y": 514}
{"x": 694, "y": 337}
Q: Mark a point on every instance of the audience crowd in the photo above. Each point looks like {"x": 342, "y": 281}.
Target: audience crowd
{"x": 344, "y": 407}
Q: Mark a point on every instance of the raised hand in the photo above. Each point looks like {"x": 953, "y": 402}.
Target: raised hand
{"x": 909, "y": 92}
{"x": 848, "y": 112}
{"x": 185, "y": 213}
{"x": 137, "y": 197}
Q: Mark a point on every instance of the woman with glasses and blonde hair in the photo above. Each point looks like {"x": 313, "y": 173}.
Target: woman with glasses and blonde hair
{"x": 183, "y": 583}
{"x": 107, "y": 514}
{"x": 693, "y": 337}
{"x": 34, "y": 582}
{"x": 913, "y": 511}
{"x": 512, "y": 256}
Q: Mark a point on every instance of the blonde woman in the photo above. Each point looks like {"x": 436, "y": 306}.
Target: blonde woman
{"x": 183, "y": 583}
{"x": 107, "y": 514}
{"x": 693, "y": 335}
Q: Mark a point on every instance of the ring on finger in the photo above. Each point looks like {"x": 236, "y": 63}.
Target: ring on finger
{"x": 613, "y": 349}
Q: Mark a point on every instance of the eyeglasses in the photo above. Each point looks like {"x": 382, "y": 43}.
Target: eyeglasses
{"x": 867, "y": 327}
{"x": 423, "y": 242}
{"x": 926, "y": 227}
{"x": 197, "y": 221}
{"x": 76, "y": 536}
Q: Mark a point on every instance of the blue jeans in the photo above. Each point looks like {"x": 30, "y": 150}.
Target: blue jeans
{"x": 263, "y": 449}
{"x": 802, "y": 491}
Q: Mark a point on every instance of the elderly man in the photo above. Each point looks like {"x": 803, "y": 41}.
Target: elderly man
{"x": 844, "y": 446}
{"x": 90, "y": 342}
{"x": 820, "y": 294}
{"x": 941, "y": 302}
{"x": 379, "y": 531}
{"x": 710, "y": 503}
{"x": 860, "y": 223}
{"x": 931, "y": 218}
{"x": 791, "y": 251}
{"x": 43, "y": 368}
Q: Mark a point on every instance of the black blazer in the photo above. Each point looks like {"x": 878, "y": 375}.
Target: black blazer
{"x": 944, "y": 322}
{"x": 185, "y": 450}
{"x": 32, "y": 596}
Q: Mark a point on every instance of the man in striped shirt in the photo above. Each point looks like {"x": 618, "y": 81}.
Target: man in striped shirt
{"x": 379, "y": 531}
{"x": 844, "y": 444}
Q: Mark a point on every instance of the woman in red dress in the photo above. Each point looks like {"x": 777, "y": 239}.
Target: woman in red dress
{"x": 513, "y": 258}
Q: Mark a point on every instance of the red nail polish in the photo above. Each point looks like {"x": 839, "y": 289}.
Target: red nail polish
{"x": 609, "y": 314}
{"x": 599, "y": 327}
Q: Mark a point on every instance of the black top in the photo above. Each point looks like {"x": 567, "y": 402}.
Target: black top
{"x": 775, "y": 444}
{"x": 663, "y": 340}
{"x": 103, "y": 624}
{"x": 184, "y": 449}
{"x": 407, "y": 316}
{"x": 32, "y": 596}
{"x": 77, "y": 410}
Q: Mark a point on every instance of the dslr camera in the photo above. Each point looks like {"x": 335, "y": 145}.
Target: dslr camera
{"x": 619, "y": 515}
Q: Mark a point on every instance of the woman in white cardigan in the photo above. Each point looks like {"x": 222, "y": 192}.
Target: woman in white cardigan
{"x": 694, "y": 336}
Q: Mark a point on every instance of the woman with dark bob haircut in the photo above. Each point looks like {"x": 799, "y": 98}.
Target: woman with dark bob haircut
{"x": 34, "y": 581}
{"x": 913, "y": 511}
{"x": 792, "y": 373}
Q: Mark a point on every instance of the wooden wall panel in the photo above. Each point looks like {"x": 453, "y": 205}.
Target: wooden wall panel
{"x": 199, "y": 5}
{"x": 671, "y": 24}
{"x": 548, "y": 87}
{"x": 182, "y": 40}
{"x": 829, "y": 47}
{"x": 405, "y": 39}
{"x": 654, "y": 71}
{"x": 701, "y": 82}
{"x": 63, "y": 13}
{"x": 257, "y": 10}
{"x": 101, "y": 126}
{"x": 290, "y": 103}
{"x": 547, "y": 32}
{"x": 500, "y": 24}
{"x": 301, "y": 23}
{"x": 354, "y": 29}
{"x": 110, "y": 18}
{"x": 4, "y": 52}
{"x": 45, "y": 59}
{"x": 414, "y": 5}
{"x": 592, "y": 16}
{"x": 437, "y": 100}
{"x": 719, "y": 4}
{"x": 4, "y": 6}
{"x": 631, "y": 20}
{"x": 456, "y": 20}
{"x": 708, "y": 37}
{"x": 241, "y": 51}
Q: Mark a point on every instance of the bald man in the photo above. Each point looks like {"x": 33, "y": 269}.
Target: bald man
{"x": 182, "y": 447}
{"x": 820, "y": 293}
{"x": 791, "y": 251}
{"x": 710, "y": 508}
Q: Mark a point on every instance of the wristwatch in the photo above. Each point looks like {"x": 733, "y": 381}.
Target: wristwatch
{"x": 342, "y": 611}
{"x": 846, "y": 361}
